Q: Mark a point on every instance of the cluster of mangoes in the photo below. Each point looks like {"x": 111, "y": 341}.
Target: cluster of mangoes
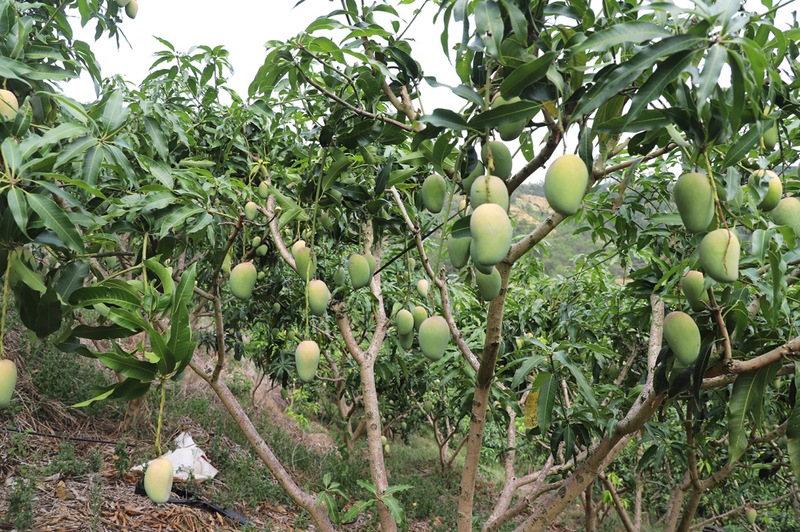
{"x": 131, "y": 7}
{"x": 433, "y": 332}
{"x": 718, "y": 252}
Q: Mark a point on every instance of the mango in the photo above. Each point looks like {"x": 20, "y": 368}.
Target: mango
{"x": 306, "y": 263}
{"x": 243, "y": 280}
{"x": 276, "y": 307}
{"x": 462, "y": 208}
{"x": 510, "y": 130}
{"x": 132, "y": 9}
{"x": 467, "y": 182}
{"x": 488, "y": 285}
{"x": 564, "y": 184}
{"x": 483, "y": 268}
{"x": 458, "y": 250}
{"x": 306, "y": 358}
{"x": 422, "y": 287}
{"x": 434, "y": 191}
{"x": 770, "y": 136}
{"x": 788, "y": 213}
{"x": 326, "y": 221}
{"x": 296, "y": 246}
{"x": 358, "y": 267}
{"x": 682, "y": 336}
{"x": 412, "y": 263}
{"x": 158, "y": 478}
{"x": 263, "y": 190}
{"x": 262, "y": 250}
{"x": 491, "y": 233}
{"x": 420, "y": 315}
{"x": 261, "y": 275}
{"x": 719, "y": 255}
{"x": 750, "y": 514}
{"x": 692, "y": 288}
{"x": 489, "y": 189}
{"x": 694, "y": 198}
{"x": 373, "y": 265}
{"x": 122, "y": 3}
{"x": 318, "y": 296}
{"x": 8, "y": 104}
{"x": 256, "y": 241}
{"x": 434, "y": 335}
{"x": 404, "y": 321}
{"x": 497, "y": 159}
{"x": 406, "y": 340}
{"x": 774, "y": 192}
{"x": 339, "y": 277}
{"x": 250, "y": 210}
{"x": 8, "y": 380}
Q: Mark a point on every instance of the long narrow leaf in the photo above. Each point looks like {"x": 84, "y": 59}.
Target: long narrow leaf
{"x": 55, "y": 219}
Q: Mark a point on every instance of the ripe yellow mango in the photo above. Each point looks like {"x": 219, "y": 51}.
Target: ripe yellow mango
{"x": 306, "y": 358}
{"x": 158, "y": 479}
{"x": 422, "y": 287}
{"x": 132, "y": 9}
{"x": 8, "y": 380}
{"x": 8, "y": 104}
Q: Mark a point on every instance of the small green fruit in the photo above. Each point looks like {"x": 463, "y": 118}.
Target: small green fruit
{"x": 788, "y": 213}
{"x": 750, "y": 514}
{"x": 510, "y": 130}
{"x": 406, "y": 340}
{"x": 306, "y": 264}
{"x": 694, "y": 198}
{"x": 158, "y": 478}
{"x": 8, "y": 380}
{"x": 483, "y": 268}
{"x": 497, "y": 159}
{"x": 403, "y": 426}
{"x": 488, "y": 285}
{"x": 774, "y": 192}
{"x": 358, "y": 267}
{"x": 122, "y": 3}
{"x": 339, "y": 277}
{"x": 318, "y": 296}
{"x": 422, "y": 288}
{"x": 682, "y": 336}
{"x": 466, "y": 184}
{"x": 384, "y": 441}
{"x": 306, "y": 358}
{"x": 132, "y": 9}
{"x": 256, "y": 241}
{"x": 692, "y": 287}
{"x": 275, "y": 309}
{"x": 719, "y": 255}
{"x": 261, "y": 275}
{"x": 434, "y": 335}
{"x": 770, "y": 136}
{"x": 373, "y": 265}
{"x": 386, "y": 449}
{"x": 8, "y": 104}
{"x": 434, "y": 190}
{"x": 564, "y": 184}
{"x": 458, "y": 250}
{"x": 412, "y": 263}
{"x": 243, "y": 280}
{"x": 284, "y": 394}
{"x": 427, "y": 406}
{"x": 263, "y": 190}
{"x": 262, "y": 250}
{"x": 250, "y": 210}
{"x": 420, "y": 315}
{"x": 491, "y": 233}
{"x": 489, "y": 189}
{"x": 404, "y": 322}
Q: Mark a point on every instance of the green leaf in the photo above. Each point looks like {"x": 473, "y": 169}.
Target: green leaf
{"x": 760, "y": 240}
{"x": 55, "y": 219}
{"x": 357, "y": 508}
{"x": 164, "y": 275}
{"x": 445, "y": 118}
{"x": 793, "y": 433}
{"x": 395, "y": 509}
{"x": 178, "y": 218}
{"x": 738, "y": 86}
{"x": 128, "y": 365}
{"x": 70, "y": 129}
{"x": 629, "y": 32}
{"x": 156, "y": 135}
{"x": 185, "y": 289}
{"x": 126, "y": 390}
{"x": 91, "y": 295}
{"x": 399, "y": 487}
{"x": 92, "y": 164}
{"x": 12, "y": 155}
{"x": 526, "y": 75}
{"x": 647, "y": 120}
{"x": 74, "y": 149}
{"x": 742, "y": 147}
{"x": 340, "y": 164}
{"x": 529, "y": 363}
{"x": 583, "y": 384}
{"x": 19, "y": 208}
{"x": 462, "y": 91}
{"x": 504, "y": 114}
{"x": 748, "y": 390}
{"x": 74, "y": 108}
{"x": 709, "y": 77}
{"x": 518, "y": 22}
{"x": 20, "y": 268}
{"x": 668, "y": 70}
{"x": 72, "y": 277}
{"x": 101, "y": 332}
{"x": 489, "y": 22}
{"x": 547, "y": 401}
{"x": 113, "y": 112}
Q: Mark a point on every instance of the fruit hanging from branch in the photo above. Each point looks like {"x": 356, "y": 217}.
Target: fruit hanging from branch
{"x": 682, "y": 336}
{"x": 306, "y": 358}
{"x": 719, "y": 255}
{"x": 564, "y": 184}
{"x": 243, "y": 280}
{"x": 694, "y": 198}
